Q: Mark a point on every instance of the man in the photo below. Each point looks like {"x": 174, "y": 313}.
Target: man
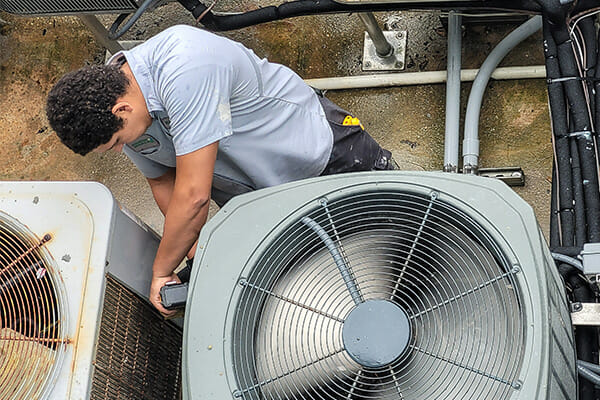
{"x": 201, "y": 116}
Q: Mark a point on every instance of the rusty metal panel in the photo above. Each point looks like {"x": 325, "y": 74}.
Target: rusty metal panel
{"x": 138, "y": 352}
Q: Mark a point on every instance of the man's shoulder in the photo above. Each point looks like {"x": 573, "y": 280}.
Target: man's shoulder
{"x": 184, "y": 32}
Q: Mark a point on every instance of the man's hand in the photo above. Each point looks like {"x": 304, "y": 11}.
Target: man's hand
{"x": 157, "y": 283}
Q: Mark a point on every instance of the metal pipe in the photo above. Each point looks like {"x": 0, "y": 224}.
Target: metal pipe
{"x": 591, "y": 366}
{"x": 382, "y": 47}
{"x": 100, "y": 33}
{"x": 587, "y": 374}
{"x": 452, "y": 138}
{"x": 471, "y": 136}
{"x": 421, "y": 78}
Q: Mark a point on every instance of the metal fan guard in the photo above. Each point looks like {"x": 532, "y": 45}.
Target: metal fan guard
{"x": 409, "y": 249}
{"x": 33, "y": 315}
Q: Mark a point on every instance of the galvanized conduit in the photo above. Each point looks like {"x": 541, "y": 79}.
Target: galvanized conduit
{"x": 452, "y": 137}
{"x": 471, "y": 134}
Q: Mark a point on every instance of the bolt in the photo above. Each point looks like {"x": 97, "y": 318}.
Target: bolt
{"x": 368, "y": 64}
{"x": 400, "y": 35}
{"x": 399, "y": 64}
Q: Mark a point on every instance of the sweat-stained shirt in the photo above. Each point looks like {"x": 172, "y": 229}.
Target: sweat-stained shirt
{"x": 201, "y": 88}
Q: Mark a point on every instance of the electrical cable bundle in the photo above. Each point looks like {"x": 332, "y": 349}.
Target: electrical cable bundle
{"x": 572, "y": 63}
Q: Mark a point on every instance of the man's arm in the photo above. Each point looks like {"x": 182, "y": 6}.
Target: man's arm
{"x": 162, "y": 189}
{"x": 186, "y": 214}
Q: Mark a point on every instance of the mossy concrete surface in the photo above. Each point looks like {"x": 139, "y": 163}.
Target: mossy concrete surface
{"x": 514, "y": 127}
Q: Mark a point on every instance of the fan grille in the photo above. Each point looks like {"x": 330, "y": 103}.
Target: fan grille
{"x": 410, "y": 250}
{"x": 32, "y": 314}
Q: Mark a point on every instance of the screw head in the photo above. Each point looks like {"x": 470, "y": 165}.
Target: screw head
{"x": 517, "y": 385}
{"x": 368, "y": 64}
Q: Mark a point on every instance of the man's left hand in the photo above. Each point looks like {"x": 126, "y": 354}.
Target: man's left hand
{"x": 157, "y": 284}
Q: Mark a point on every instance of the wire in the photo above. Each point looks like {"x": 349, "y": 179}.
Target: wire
{"x": 580, "y": 16}
{"x": 208, "y": 9}
{"x": 579, "y": 40}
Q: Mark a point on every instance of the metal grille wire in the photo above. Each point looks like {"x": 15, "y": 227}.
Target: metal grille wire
{"x": 424, "y": 255}
{"x": 138, "y": 352}
{"x": 38, "y": 7}
{"x": 33, "y": 314}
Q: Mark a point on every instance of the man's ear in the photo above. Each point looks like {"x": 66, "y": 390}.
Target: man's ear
{"x": 121, "y": 107}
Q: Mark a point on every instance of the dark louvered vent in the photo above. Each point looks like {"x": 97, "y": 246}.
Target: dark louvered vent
{"x": 139, "y": 353}
{"x": 40, "y": 7}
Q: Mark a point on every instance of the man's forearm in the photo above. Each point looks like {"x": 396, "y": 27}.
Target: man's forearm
{"x": 186, "y": 214}
{"x": 183, "y": 223}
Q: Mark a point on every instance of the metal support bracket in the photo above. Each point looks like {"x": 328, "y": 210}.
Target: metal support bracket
{"x": 395, "y": 62}
{"x": 125, "y": 44}
{"x": 586, "y": 314}
{"x": 512, "y": 176}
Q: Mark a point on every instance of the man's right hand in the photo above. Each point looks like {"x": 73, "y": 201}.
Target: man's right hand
{"x": 157, "y": 284}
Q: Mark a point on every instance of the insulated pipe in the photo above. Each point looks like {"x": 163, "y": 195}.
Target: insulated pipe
{"x": 382, "y": 47}
{"x": 563, "y": 212}
{"x": 471, "y": 140}
{"x": 452, "y": 138}
{"x": 220, "y": 22}
{"x": 421, "y": 78}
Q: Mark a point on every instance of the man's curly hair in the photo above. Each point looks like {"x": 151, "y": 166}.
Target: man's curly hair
{"x": 79, "y": 106}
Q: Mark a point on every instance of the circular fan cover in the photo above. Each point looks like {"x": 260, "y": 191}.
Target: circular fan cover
{"x": 32, "y": 314}
{"x": 379, "y": 295}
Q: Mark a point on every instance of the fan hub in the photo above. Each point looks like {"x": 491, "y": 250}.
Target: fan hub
{"x": 376, "y": 333}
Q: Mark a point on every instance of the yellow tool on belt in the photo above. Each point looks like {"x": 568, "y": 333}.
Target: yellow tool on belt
{"x": 350, "y": 120}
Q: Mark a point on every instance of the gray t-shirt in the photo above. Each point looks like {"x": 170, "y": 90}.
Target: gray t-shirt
{"x": 201, "y": 88}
